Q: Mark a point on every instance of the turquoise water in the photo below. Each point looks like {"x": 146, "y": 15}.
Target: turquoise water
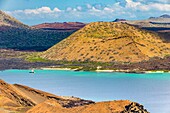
{"x": 151, "y": 90}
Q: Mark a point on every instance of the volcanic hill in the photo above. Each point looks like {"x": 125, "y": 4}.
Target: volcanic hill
{"x": 6, "y": 20}
{"x": 109, "y": 42}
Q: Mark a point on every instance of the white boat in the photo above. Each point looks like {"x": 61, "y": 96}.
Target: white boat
{"x": 32, "y": 71}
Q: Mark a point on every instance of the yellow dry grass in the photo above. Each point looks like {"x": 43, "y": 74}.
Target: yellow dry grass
{"x": 108, "y": 42}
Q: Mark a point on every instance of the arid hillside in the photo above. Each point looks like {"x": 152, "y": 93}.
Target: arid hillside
{"x": 21, "y": 98}
{"x": 122, "y": 106}
{"x": 109, "y": 42}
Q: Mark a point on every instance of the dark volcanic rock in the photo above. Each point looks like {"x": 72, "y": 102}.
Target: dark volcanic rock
{"x": 17, "y": 63}
{"x": 134, "y": 108}
{"x": 119, "y": 20}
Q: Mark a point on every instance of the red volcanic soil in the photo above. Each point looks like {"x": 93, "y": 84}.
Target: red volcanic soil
{"x": 60, "y": 26}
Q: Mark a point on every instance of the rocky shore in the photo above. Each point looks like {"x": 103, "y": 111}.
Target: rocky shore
{"x": 12, "y": 59}
{"x": 23, "y": 99}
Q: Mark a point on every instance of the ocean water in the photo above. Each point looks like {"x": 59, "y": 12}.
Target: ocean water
{"x": 150, "y": 90}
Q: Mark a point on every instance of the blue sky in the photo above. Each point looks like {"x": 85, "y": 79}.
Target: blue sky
{"x": 39, "y": 11}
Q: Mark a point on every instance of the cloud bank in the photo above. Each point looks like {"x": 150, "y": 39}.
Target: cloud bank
{"x": 128, "y": 9}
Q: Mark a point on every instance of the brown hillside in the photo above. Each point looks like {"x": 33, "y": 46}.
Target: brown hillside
{"x": 17, "y": 97}
{"x": 6, "y": 20}
{"x": 108, "y": 42}
{"x": 101, "y": 107}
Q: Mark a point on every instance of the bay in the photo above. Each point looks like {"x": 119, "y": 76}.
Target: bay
{"x": 151, "y": 90}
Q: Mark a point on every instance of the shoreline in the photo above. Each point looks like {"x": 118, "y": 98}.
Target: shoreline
{"x": 98, "y": 70}
{"x": 157, "y": 72}
{"x": 108, "y": 71}
{"x": 65, "y": 69}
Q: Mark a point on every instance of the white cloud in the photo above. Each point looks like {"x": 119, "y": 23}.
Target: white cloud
{"x": 163, "y": 1}
{"x": 89, "y": 6}
{"x": 160, "y": 7}
{"x": 108, "y": 9}
{"x": 56, "y": 10}
{"x": 69, "y": 9}
{"x": 79, "y": 8}
{"x": 131, "y": 4}
{"x": 147, "y": 7}
{"x": 93, "y": 9}
{"x": 131, "y": 9}
{"x": 38, "y": 11}
{"x": 43, "y": 12}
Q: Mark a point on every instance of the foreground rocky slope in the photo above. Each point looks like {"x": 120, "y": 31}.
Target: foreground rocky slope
{"x": 109, "y": 42}
{"x": 19, "y": 98}
{"x": 100, "y": 107}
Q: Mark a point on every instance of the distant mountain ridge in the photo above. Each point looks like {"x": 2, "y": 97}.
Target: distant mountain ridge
{"x": 160, "y": 24}
{"x": 66, "y": 26}
{"x": 161, "y": 21}
{"x": 162, "y": 16}
{"x": 165, "y": 16}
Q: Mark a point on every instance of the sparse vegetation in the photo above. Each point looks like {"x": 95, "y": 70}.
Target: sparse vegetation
{"x": 36, "y": 58}
{"x": 109, "y": 40}
{"x": 16, "y": 35}
{"x": 30, "y": 39}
